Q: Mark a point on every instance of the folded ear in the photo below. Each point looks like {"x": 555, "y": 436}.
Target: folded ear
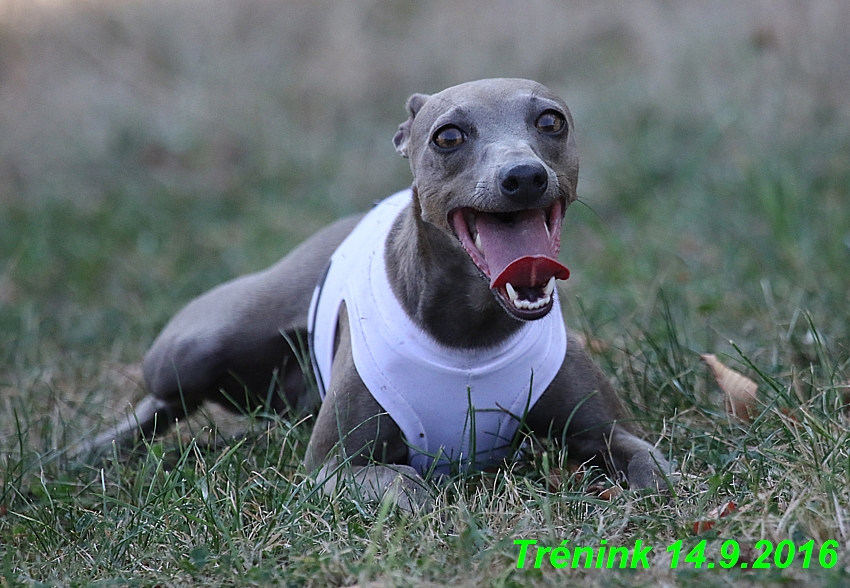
{"x": 414, "y": 103}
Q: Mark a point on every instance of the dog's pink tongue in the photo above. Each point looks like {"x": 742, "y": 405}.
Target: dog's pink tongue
{"x": 530, "y": 271}
{"x": 520, "y": 252}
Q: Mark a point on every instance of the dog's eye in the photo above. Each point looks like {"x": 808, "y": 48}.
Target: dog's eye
{"x": 551, "y": 122}
{"x": 449, "y": 137}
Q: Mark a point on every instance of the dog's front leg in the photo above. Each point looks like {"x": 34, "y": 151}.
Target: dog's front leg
{"x": 582, "y": 407}
{"x": 357, "y": 444}
{"x": 642, "y": 463}
{"x": 361, "y": 450}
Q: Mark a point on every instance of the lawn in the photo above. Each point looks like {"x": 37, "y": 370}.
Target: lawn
{"x": 150, "y": 150}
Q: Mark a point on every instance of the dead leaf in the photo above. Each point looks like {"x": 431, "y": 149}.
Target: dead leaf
{"x": 790, "y": 414}
{"x": 554, "y": 480}
{"x": 611, "y": 493}
{"x": 603, "y": 492}
{"x": 713, "y": 516}
{"x": 741, "y": 392}
{"x": 558, "y": 477}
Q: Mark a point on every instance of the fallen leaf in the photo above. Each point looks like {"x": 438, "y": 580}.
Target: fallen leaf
{"x": 611, "y": 493}
{"x": 554, "y": 480}
{"x": 741, "y": 392}
{"x": 713, "y": 516}
{"x": 558, "y": 476}
{"x": 790, "y": 414}
{"x": 723, "y": 510}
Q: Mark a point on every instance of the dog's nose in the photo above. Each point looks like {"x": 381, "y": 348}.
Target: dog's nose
{"x": 523, "y": 183}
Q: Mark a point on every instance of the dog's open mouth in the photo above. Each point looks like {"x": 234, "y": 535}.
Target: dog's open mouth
{"x": 518, "y": 252}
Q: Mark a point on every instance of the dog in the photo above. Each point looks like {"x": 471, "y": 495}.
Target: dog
{"x": 435, "y": 332}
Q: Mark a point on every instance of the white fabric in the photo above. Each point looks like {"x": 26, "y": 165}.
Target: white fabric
{"x": 427, "y": 388}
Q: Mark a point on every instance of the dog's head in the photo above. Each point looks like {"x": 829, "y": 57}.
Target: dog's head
{"x": 495, "y": 166}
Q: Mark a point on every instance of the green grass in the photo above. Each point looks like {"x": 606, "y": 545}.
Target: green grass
{"x": 714, "y": 218}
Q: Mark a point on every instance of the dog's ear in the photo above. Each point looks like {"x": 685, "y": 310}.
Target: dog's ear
{"x": 414, "y": 103}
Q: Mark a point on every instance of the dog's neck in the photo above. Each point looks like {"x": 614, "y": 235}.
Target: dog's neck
{"x": 440, "y": 288}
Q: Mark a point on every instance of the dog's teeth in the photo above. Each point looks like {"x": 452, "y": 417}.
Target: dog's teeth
{"x": 546, "y": 226}
{"x": 528, "y": 305}
{"x": 478, "y": 241}
{"x": 511, "y": 293}
{"x": 550, "y": 287}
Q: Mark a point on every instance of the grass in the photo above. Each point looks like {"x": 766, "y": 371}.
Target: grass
{"x": 713, "y": 219}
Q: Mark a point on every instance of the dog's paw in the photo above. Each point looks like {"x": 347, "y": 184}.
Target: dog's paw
{"x": 400, "y": 485}
{"x": 648, "y": 470}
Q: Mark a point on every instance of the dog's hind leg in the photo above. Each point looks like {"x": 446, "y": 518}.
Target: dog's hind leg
{"x": 237, "y": 345}
{"x": 150, "y": 416}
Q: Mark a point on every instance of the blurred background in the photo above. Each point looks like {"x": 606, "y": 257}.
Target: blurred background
{"x": 151, "y": 149}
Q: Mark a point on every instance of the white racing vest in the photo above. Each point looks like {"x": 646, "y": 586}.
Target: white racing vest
{"x": 454, "y": 406}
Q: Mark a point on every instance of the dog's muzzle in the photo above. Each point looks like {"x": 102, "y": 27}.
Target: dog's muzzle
{"x": 518, "y": 252}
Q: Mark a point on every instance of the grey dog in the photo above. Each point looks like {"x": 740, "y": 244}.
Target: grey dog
{"x": 469, "y": 259}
